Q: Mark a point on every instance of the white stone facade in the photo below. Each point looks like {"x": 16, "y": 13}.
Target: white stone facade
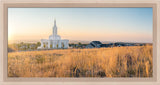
{"x": 54, "y": 41}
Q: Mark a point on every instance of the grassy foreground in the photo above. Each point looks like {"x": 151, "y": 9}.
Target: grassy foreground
{"x": 133, "y": 61}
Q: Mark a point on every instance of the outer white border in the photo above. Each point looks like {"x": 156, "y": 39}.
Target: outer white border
{"x": 79, "y": 1}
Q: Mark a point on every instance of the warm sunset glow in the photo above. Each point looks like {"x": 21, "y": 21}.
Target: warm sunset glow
{"x": 104, "y": 24}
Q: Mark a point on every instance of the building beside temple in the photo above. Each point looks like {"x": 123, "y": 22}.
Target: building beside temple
{"x": 54, "y": 41}
{"x": 98, "y": 44}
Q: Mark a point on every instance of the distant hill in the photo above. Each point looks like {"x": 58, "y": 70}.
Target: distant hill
{"x": 87, "y": 42}
{"x": 70, "y": 41}
{"x": 104, "y": 42}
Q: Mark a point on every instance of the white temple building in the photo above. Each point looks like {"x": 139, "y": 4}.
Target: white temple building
{"x": 54, "y": 41}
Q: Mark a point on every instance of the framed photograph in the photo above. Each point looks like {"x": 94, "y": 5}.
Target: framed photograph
{"x": 87, "y": 42}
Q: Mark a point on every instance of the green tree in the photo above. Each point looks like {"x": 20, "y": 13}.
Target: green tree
{"x": 80, "y": 43}
{"x": 28, "y": 46}
{"x": 44, "y": 46}
{"x": 57, "y": 45}
{"x": 51, "y": 46}
{"x": 62, "y": 45}
{"x": 38, "y": 44}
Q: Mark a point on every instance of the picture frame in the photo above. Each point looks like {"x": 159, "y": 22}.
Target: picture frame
{"x": 4, "y": 80}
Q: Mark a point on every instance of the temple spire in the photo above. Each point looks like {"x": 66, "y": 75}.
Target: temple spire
{"x": 55, "y": 28}
{"x": 54, "y": 22}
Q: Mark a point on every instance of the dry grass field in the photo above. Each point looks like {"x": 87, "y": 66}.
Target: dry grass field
{"x": 133, "y": 61}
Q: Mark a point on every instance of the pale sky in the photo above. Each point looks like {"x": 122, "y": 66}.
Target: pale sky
{"x": 103, "y": 24}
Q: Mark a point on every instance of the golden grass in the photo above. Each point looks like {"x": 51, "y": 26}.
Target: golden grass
{"x": 134, "y": 61}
